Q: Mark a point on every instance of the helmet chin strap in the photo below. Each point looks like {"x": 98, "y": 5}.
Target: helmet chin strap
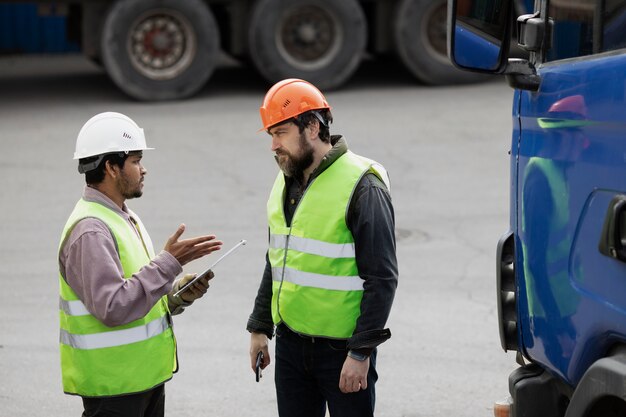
{"x": 317, "y": 115}
{"x": 90, "y": 166}
{"x": 320, "y": 118}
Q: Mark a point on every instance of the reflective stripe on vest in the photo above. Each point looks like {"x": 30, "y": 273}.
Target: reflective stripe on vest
{"x": 316, "y": 288}
{"x": 115, "y": 337}
{"x": 98, "y": 360}
{"x": 73, "y": 308}
{"x": 310, "y": 279}
{"x": 314, "y": 247}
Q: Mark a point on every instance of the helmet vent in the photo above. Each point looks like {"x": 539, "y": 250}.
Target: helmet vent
{"x": 286, "y": 103}
{"x": 127, "y": 136}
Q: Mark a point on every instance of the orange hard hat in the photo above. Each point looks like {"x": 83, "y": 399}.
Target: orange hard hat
{"x": 290, "y": 98}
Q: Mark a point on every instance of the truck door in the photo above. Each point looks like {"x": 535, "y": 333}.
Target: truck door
{"x": 572, "y": 165}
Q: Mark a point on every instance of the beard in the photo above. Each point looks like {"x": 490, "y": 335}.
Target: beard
{"x": 294, "y": 165}
{"x": 129, "y": 189}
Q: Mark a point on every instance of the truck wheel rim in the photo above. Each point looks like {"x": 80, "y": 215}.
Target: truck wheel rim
{"x": 308, "y": 38}
{"x": 161, "y": 44}
{"x": 435, "y": 31}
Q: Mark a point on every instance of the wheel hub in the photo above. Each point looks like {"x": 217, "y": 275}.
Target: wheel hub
{"x": 161, "y": 45}
{"x": 307, "y": 35}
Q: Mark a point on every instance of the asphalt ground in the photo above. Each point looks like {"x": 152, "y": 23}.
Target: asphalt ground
{"x": 444, "y": 147}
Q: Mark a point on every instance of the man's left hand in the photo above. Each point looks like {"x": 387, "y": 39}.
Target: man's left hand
{"x": 353, "y": 375}
{"x": 197, "y": 290}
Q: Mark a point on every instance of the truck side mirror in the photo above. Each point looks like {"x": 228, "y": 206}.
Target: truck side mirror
{"x": 478, "y": 34}
{"x": 531, "y": 31}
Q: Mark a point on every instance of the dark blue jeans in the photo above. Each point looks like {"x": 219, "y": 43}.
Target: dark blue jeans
{"x": 307, "y": 378}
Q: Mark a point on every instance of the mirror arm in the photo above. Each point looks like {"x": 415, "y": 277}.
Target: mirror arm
{"x": 533, "y": 34}
{"x": 519, "y": 66}
{"x": 522, "y": 75}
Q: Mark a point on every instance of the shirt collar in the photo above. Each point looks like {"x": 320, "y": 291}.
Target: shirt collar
{"x": 92, "y": 195}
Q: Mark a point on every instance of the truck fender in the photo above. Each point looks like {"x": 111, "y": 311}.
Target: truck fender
{"x": 602, "y": 389}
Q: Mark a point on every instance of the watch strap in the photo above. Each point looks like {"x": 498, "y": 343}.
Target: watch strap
{"x": 357, "y": 355}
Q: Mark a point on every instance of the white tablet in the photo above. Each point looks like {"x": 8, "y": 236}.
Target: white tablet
{"x": 206, "y": 272}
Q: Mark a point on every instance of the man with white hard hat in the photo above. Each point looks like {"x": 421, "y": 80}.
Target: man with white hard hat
{"x": 116, "y": 296}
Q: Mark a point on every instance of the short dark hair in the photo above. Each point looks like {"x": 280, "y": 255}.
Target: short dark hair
{"x": 305, "y": 119}
{"x": 96, "y": 176}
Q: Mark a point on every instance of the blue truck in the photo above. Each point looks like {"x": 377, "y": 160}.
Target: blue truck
{"x": 168, "y": 49}
{"x": 561, "y": 266}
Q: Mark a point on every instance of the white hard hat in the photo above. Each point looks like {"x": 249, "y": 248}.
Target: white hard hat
{"x": 109, "y": 132}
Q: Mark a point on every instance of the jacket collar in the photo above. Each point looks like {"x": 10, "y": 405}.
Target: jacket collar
{"x": 340, "y": 146}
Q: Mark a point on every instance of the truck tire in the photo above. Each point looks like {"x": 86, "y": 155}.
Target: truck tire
{"x": 160, "y": 50}
{"x": 420, "y": 28}
{"x": 321, "y": 41}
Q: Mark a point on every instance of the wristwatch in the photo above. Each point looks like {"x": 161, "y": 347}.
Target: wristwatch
{"x": 357, "y": 356}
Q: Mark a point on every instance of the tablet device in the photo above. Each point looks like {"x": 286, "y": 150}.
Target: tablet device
{"x": 206, "y": 272}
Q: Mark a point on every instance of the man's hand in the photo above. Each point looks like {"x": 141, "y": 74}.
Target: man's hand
{"x": 353, "y": 375}
{"x": 197, "y": 289}
{"x": 187, "y": 250}
{"x": 259, "y": 343}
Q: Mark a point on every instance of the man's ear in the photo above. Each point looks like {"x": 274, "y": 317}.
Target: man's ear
{"x": 314, "y": 128}
{"x": 111, "y": 169}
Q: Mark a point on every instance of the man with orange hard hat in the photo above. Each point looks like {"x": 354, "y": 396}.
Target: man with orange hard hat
{"x": 331, "y": 270}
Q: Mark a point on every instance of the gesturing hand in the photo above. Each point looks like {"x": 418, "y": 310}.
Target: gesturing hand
{"x": 187, "y": 250}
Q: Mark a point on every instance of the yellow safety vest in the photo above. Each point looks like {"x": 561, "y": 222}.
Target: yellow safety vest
{"x": 97, "y": 360}
{"x": 316, "y": 287}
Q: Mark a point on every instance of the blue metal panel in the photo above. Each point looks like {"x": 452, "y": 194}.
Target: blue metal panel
{"x": 530, "y": 5}
{"x": 7, "y": 32}
{"x": 22, "y": 30}
{"x": 475, "y": 50}
{"x": 572, "y": 153}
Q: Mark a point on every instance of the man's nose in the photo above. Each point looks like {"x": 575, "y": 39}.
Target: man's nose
{"x": 275, "y": 144}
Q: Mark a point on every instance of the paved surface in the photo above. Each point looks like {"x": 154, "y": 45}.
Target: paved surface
{"x": 445, "y": 149}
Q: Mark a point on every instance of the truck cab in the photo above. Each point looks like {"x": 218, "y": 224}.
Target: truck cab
{"x": 561, "y": 266}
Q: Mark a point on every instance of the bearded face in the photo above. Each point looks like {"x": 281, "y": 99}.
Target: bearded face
{"x": 130, "y": 181}
{"x": 295, "y": 162}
